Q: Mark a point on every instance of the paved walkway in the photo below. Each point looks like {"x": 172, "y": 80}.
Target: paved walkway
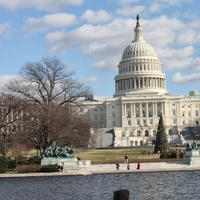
{"x": 111, "y": 168}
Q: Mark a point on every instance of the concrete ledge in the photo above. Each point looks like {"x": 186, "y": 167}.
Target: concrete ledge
{"x": 111, "y": 169}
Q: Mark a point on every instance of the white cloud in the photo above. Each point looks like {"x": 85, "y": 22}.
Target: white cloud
{"x": 88, "y": 34}
{"x": 130, "y": 11}
{"x": 4, "y": 79}
{"x": 179, "y": 78}
{"x": 156, "y": 7}
{"x": 173, "y": 2}
{"x": 127, "y": 1}
{"x": 48, "y": 22}
{"x": 106, "y": 42}
{"x": 181, "y": 53}
{"x": 50, "y": 5}
{"x": 100, "y": 64}
{"x": 190, "y": 36}
{"x": 96, "y": 16}
{"x": 92, "y": 79}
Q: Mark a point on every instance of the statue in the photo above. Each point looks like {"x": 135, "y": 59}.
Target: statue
{"x": 189, "y": 147}
{"x": 194, "y": 145}
{"x": 137, "y": 18}
{"x": 55, "y": 151}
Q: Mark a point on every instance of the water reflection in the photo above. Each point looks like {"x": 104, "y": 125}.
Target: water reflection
{"x": 152, "y": 186}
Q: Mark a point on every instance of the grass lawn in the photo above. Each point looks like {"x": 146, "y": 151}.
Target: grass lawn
{"x": 110, "y": 156}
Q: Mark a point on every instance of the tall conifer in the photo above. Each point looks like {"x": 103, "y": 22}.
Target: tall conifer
{"x": 161, "y": 143}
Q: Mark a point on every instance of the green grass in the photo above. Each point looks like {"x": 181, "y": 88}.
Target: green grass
{"x": 111, "y": 156}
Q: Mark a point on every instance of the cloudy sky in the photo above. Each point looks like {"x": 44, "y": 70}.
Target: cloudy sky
{"x": 89, "y": 36}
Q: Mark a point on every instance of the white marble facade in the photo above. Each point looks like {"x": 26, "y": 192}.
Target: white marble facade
{"x": 140, "y": 96}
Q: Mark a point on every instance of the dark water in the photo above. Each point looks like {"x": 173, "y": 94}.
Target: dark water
{"x": 153, "y": 186}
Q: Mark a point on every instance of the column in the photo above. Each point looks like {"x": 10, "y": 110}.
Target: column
{"x": 131, "y": 83}
{"x": 156, "y": 108}
{"x": 139, "y": 82}
{"x": 153, "y": 112}
{"x": 125, "y": 110}
{"x": 131, "y": 110}
{"x": 140, "y": 110}
{"x": 147, "y": 110}
{"x": 134, "y": 83}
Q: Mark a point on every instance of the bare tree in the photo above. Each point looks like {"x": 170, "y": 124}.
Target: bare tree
{"x": 10, "y": 117}
{"x": 50, "y": 91}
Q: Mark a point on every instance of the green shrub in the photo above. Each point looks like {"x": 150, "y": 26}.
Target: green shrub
{"x": 3, "y": 165}
{"x": 22, "y": 160}
{"x": 168, "y": 154}
{"x": 11, "y": 164}
{"x": 34, "y": 160}
{"x": 49, "y": 168}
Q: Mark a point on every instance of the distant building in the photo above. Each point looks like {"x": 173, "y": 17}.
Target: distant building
{"x": 130, "y": 117}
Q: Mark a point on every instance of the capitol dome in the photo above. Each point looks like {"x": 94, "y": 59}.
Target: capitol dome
{"x": 139, "y": 69}
{"x": 139, "y": 49}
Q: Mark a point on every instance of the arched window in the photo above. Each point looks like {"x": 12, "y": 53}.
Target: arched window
{"x": 136, "y": 142}
{"x": 170, "y": 131}
{"x": 138, "y": 133}
{"x": 131, "y": 142}
{"x": 154, "y": 133}
{"x": 146, "y": 133}
{"x": 141, "y": 143}
{"x": 131, "y": 134}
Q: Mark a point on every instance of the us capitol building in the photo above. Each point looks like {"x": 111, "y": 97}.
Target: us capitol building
{"x": 131, "y": 116}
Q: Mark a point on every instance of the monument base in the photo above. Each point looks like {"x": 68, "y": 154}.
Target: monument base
{"x": 54, "y": 161}
{"x": 192, "y": 157}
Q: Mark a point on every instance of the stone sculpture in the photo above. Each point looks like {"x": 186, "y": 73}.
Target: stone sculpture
{"x": 55, "y": 151}
{"x": 191, "y": 146}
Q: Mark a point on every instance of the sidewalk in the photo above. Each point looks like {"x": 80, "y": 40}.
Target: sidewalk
{"x": 111, "y": 168}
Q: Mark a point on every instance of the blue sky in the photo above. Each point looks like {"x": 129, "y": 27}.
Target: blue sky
{"x": 89, "y": 36}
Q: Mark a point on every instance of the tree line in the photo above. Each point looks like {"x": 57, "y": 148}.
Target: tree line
{"x": 40, "y": 107}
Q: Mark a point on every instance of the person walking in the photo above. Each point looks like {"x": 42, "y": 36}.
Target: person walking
{"x": 138, "y": 166}
{"x": 117, "y": 166}
{"x": 61, "y": 167}
{"x": 126, "y": 159}
{"x": 128, "y": 166}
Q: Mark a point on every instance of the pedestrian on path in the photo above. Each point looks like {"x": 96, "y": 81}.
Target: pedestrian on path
{"x": 61, "y": 167}
{"x": 128, "y": 166}
{"x": 138, "y": 166}
{"x": 117, "y": 166}
{"x": 126, "y": 159}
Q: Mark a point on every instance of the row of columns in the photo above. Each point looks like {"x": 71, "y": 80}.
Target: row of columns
{"x": 143, "y": 67}
{"x": 140, "y": 82}
{"x": 132, "y": 110}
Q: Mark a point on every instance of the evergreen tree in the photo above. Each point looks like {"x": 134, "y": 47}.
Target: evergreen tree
{"x": 161, "y": 143}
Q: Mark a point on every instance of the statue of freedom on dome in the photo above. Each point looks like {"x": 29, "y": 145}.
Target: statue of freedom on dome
{"x": 137, "y": 18}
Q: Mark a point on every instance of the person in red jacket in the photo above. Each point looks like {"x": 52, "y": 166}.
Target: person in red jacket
{"x": 138, "y": 166}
